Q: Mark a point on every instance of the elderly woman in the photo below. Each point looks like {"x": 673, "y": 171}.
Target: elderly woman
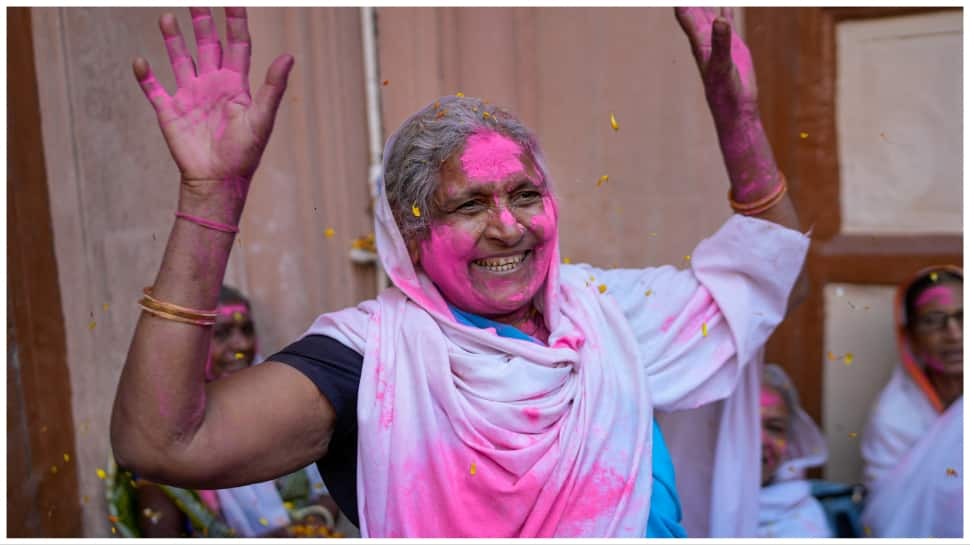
{"x": 913, "y": 445}
{"x": 790, "y": 443}
{"x": 491, "y": 391}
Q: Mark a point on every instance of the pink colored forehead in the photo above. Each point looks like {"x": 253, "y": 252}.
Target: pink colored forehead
{"x": 941, "y": 295}
{"x": 770, "y": 397}
{"x": 490, "y": 156}
{"x": 230, "y": 310}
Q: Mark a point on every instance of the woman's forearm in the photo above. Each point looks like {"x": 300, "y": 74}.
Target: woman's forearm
{"x": 161, "y": 395}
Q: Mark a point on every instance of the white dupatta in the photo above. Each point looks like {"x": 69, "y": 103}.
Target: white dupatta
{"x": 465, "y": 433}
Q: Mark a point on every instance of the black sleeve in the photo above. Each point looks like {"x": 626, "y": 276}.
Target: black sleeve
{"x": 335, "y": 370}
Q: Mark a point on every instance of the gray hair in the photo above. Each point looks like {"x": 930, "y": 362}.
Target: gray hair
{"x": 426, "y": 140}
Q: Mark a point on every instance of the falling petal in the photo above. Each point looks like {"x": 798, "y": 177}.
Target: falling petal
{"x": 951, "y": 472}
{"x": 54, "y": 470}
{"x": 114, "y": 530}
{"x": 91, "y": 325}
{"x": 848, "y": 358}
{"x": 472, "y": 469}
{"x": 486, "y": 115}
{"x": 440, "y": 114}
{"x": 112, "y": 518}
{"x": 101, "y": 474}
{"x": 866, "y": 530}
{"x": 67, "y": 457}
{"x": 263, "y": 521}
{"x": 687, "y": 257}
{"x": 85, "y": 499}
{"x": 105, "y": 306}
{"x": 831, "y": 356}
{"x": 853, "y": 434}
{"x": 288, "y": 505}
{"x": 386, "y": 82}
{"x": 803, "y": 135}
{"x": 602, "y": 180}
{"x": 566, "y": 260}
{"x": 240, "y": 355}
{"x": 602, "y": 288}
{"x": 613, "y": 123}
{"x": 415, "y": 210}
{"x": 328, "y": 232}
{"x": 704, "y": 329}
{"x": 648, "y": 293}
{"x": 934, "y": 276}
{"x": 459, "y": 94}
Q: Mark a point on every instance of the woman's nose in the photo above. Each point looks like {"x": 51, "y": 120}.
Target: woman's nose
{"x": 503, "y": 226}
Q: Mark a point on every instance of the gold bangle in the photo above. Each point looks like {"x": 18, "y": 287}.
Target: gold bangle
{"x": 766, "y": 206}
{"x": 177, "y": 310}
{"x": 167, "y": 316}
{"x": 763, "y": 203}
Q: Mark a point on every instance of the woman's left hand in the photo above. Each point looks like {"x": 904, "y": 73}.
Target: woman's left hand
{"x": 724, "y": 61}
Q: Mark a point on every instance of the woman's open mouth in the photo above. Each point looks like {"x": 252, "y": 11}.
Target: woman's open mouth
{"x": 504, "y": 264}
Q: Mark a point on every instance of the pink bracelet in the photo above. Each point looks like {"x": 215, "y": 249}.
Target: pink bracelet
{"x": 209, "y": 224}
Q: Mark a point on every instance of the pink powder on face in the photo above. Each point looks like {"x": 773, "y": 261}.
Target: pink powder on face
{"x": 940, "y": 295}
{"x": 770, "y": 398}
{"x": 490, "y": 156}
{"x": 230, "y": 310}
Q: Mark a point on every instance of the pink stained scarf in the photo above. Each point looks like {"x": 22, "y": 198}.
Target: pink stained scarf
{"x": 465, "y": 433}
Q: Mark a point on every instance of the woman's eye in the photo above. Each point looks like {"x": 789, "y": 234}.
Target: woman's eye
{"x": 528, "y": 197}
{"x": 469, "y": 206}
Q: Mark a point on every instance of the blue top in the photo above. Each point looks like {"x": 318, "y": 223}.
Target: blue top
{"x": 665, "y": 512}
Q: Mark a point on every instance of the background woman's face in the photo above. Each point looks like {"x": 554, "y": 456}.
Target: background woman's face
{"x": 233, "y": 344}
{"x": 490, "y": 246}
{"x": 775, "y": 422}
{"x": 936, "y": 329}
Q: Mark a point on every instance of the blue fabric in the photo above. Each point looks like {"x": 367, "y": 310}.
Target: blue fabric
{"x": 665, "y": 512}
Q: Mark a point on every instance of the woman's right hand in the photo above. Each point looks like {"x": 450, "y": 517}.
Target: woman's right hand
{"x": 215, "y": 130}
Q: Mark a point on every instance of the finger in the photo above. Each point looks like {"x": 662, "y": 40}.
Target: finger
{"x": 238, "y": 44}
{"x": 690, "y": 28}
{"x": 182, "y": 64}
{"x": 206, "y": 40}
{"x": 270, "y": 94}
{"x": 720, "y": 62}
{"x": 150, "y": 85}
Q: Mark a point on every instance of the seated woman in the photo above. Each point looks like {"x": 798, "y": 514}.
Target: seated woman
{"x": 291, "y": 505}
{"x": 913, "y": 445}
{"x": 790, "y": 443}
{"x": 492, "y": 391}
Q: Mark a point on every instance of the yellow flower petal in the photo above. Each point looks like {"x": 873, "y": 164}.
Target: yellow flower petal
{"x": 803, "y": 135}
{"x": 602, "y": 180}
{"x": 67, "y": 457}
{"x": 240, "y": 355}
{"x": 91, "y": 325}
{"x": 848, "y": 358}
{"x": 613, "y": 123}
{"x": 486, "y": 115}
{"x": 101, "y": 474}
{"x": 105, "y": 306}
{"x": 459, "y": 94}
{"x": 853, "y": 434}
{"x": 602, "y": 288}
{"x": 704, "y": 330}
{"x": 566, "y": 260}
{"x": 648, "y": 293}
{"x": 687, "y": 257}
{"x": 472, "y": 469}
{"x": 263, "y": 521}
{"x": 831, "y": 356}
{"x": 54, "y": 470}
{"x": 415, "y": 210}
{"x": 328, "y": 232}
{"x": 934, "y": 276}
{"x": 288, "y": 505}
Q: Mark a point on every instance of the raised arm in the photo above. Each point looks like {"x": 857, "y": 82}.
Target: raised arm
{"x": 167, "y": 424}
{"x": 732, "y": 94}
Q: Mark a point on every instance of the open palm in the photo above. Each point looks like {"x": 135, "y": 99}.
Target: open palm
{"x": 722, "y": 57}
{"x": 214, "y": 129}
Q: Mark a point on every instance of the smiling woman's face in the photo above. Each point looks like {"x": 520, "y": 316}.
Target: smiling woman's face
{"x": 491, "y": 245}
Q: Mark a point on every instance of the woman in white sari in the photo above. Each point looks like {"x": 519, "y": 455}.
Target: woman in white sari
{"x": 790, "y": 443}
{"x": 913, "y": 444}
{"x": 491, "y": 391}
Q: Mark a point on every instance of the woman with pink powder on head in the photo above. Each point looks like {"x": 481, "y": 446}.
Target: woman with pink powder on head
{"x": 490, "y": 391}
{"x": 912, "y": 446}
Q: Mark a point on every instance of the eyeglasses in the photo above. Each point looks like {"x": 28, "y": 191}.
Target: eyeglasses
{"x": 937, "y": 321}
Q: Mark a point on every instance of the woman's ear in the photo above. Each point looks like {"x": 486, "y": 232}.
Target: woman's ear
{"x": 414, "y": 249}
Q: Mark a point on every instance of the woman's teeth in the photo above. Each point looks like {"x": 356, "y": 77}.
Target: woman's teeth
{"x": 501, "y": 264}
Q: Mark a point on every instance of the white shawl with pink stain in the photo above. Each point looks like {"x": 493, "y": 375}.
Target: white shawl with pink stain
{"x": 466, "y": 433}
